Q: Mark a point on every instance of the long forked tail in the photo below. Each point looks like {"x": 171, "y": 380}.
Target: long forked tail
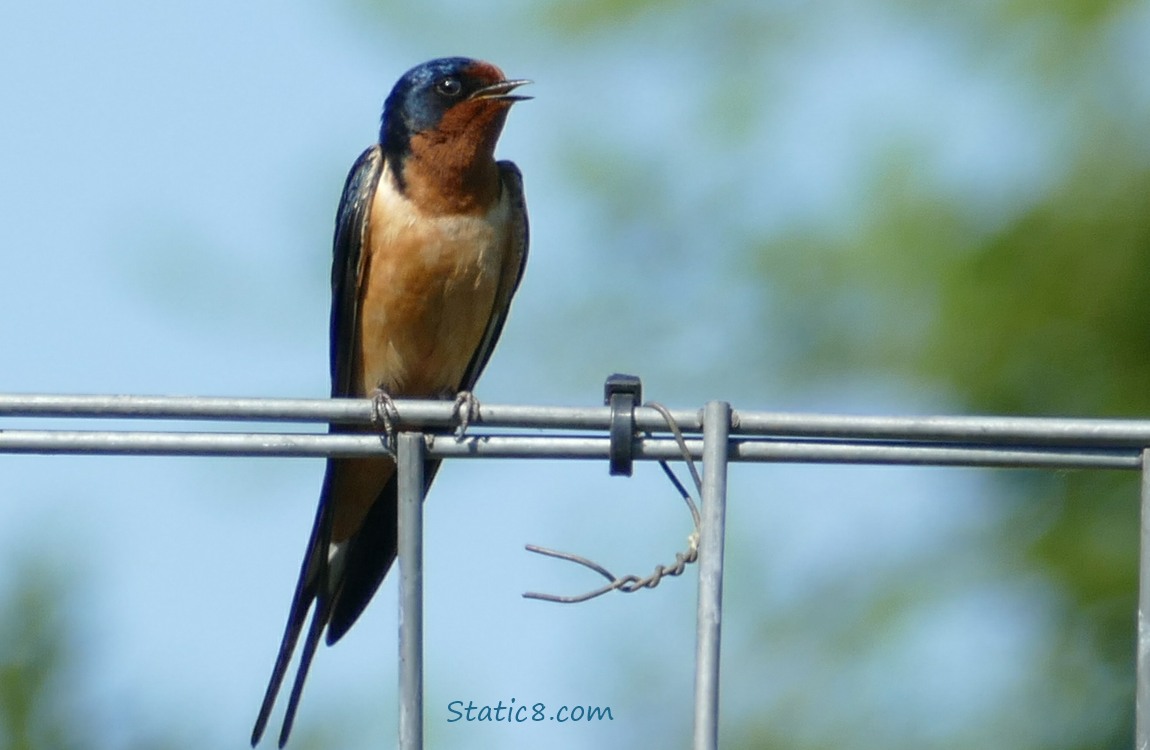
{"x": 311, "y": 587}
{"x": 291, "y": 635}
{"x": 340, "y": 588}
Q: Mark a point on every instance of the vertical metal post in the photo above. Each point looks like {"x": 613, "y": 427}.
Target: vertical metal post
{"x": 1142, "y": 693}
{"x": 716, "y": 430}
{"x": 410, "y": 460}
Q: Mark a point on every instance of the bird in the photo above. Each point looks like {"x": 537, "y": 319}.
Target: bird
{"x": 430, "y": 245}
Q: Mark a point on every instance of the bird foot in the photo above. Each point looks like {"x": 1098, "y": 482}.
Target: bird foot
{"x": 466, "y": 409}
{"x": 384, "y": 414}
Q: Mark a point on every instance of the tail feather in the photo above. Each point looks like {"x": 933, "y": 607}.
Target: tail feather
{"x": 319, "y": 618}
{"x": 368, "y": 561}
{"x": 370, "y": 556}
{"x": 287, "y": 646}
{"x": 312, "y": 580}
{"x": 337, "y": 603}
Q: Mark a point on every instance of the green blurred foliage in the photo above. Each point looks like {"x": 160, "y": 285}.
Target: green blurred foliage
{"x": 46, "y": 676}
{"x": 34, "y": 651}
{"x": 1045, "y": 312}
{"x": 1038, "y": 305}
{"x": 44, "y": 698}
{"x": 1032, "y": 303}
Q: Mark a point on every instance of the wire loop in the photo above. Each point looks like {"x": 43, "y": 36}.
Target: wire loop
{"x": 632, "y": 583}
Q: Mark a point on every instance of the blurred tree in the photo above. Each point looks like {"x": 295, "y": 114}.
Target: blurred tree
{"x": 42, "y": 704}
{"x": 43, "y": 682}
{"x": 1042, "y": 311}
{"x": 33, "y": 652}
{"x": 1008, "y": 274}
{"x": 1012, "y": 281}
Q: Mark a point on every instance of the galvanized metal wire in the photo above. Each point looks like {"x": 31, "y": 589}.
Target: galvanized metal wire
{"x": 755, "y": 436}
{"x": 30, "y": 423}
{"x": 631, "y": 583}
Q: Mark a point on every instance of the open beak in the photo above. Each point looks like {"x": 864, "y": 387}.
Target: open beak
{"x": 501, "y": 91}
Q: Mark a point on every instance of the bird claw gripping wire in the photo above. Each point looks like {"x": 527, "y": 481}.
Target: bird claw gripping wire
{"x": 466, "y": 410}
{"x": 631, "y": 583}
{"x": 385, "y": 415}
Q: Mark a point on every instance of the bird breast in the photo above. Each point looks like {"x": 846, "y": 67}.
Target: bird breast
{"x": 429, "y": 285}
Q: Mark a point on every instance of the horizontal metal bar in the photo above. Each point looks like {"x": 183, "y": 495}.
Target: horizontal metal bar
{"x": 188, "y": 443}
{"x": 929, "y": 455}
{"x": 186, "y": 407}
{"x": 550, "y": 446}
{"x": 1130, "y": 433}
{"x": 419, "y": 413}
{"x": 409, "y": 412}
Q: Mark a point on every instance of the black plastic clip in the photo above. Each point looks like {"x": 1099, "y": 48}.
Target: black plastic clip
{"x": 622, "y": 393}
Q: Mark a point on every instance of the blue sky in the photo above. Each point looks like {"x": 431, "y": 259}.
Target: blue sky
{"x": 168, "y": 178}
{"x": 171, "y": 173}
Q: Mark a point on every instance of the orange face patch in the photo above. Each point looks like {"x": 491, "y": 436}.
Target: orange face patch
{"x": 451, "y": 170}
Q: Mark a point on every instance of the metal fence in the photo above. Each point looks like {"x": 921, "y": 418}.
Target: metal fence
{"x": 618, "y": 433}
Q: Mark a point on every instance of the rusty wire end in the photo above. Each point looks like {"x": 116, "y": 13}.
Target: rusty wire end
{"x": 632, "y": 583}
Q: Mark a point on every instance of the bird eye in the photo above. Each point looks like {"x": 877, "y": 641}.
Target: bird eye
{"x": 450, "y": 86}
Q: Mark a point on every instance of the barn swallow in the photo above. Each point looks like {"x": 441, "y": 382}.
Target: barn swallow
{"x": 430, "y": 244}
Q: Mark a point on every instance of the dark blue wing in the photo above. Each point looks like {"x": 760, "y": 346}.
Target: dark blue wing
{"x": 347, "y": 263}
{"x": 313, "y": 586}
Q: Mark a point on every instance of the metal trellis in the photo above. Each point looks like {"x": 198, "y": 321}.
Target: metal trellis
{"x": 498, "y": 431}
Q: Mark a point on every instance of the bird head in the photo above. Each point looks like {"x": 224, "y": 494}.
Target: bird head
{"x": 449, "y": 99}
